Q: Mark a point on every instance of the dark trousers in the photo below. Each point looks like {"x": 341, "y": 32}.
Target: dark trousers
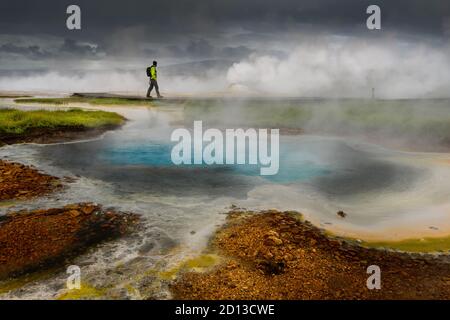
{"x": 153, "y": 83}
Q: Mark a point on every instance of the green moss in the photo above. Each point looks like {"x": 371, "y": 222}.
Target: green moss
{"x": 198, "y": 264}
{"x": 18, "y": 122}
{"x": 413, "y": 245}
{"x": 202, "y": 262}
{"x": 169, "y": 274}
{"x": 7, "y": 203}
{"x": 19, "y": 282}
{"x": 132, "y": 290}
{"x": 93, "y": 101}
{"x": 85, "y": 292}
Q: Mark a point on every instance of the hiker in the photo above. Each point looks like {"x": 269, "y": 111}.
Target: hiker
{"x": 151, "y": 72}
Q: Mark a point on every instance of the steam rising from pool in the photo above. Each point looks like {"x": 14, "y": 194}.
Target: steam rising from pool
{"x": 386, "y": 193}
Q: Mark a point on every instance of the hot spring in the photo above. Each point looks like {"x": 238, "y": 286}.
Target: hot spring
{"x": 387, "y": 194}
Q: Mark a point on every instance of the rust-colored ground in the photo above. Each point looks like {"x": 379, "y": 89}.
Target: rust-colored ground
{"x": 18, "y": 181}
{"x": 274, "y": 255}
{"x": 31, "y": 240}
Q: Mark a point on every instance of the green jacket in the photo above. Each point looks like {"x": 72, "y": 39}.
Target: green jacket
{"x": 153, "y": 73}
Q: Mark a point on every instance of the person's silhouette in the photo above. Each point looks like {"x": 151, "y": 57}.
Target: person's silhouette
{"x": 151, "y": 72}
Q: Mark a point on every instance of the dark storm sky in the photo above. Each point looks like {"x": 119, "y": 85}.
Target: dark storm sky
{"x": 203, "y": 16}
{"x": 198, "y": 28}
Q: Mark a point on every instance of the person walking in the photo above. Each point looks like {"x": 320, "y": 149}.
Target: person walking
{"x": 152, "y": 74}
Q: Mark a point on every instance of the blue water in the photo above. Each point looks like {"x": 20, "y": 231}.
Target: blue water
{"x": 295, "y": 163}
{"x": 140, "y": 161}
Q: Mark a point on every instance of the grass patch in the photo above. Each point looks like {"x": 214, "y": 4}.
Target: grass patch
{"x": 413, "y": 245}
{"x": 19, "y": 122}
{"x": 92, "y": 101}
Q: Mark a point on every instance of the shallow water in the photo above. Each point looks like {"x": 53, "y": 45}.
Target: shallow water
{"x": 384, "y": 192}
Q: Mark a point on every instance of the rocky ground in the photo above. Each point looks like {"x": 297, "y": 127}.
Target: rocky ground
{"x": 32, "y": 240}
{"x": 40, "y": 239}
{"x": 19, "y": 182}
{"x": 276, "y": 255}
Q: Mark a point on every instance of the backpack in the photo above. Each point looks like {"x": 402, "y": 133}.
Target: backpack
{"x": 149, "y": 72}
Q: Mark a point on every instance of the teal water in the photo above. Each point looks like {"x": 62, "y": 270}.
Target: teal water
{"x": 296, "y": 163}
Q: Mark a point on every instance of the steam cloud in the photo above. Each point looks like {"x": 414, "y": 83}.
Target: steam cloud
{"x": 331, "y": 67}
{"x": 350, "y": 69}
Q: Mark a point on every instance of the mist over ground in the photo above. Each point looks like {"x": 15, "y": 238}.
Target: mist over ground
{"x": 316, "y": 67}
{"x": 414, "y": 125}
